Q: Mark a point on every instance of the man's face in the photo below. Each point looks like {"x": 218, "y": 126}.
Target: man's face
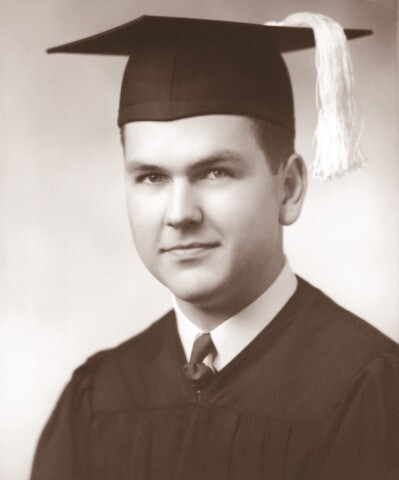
{"x": 203, "y": 207}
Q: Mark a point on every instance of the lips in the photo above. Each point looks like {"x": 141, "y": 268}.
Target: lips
{"x": 190, "y": 246}
{"x": 190, "y": 249}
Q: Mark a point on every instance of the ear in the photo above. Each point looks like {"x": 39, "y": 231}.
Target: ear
{"x": 293, "y": 185}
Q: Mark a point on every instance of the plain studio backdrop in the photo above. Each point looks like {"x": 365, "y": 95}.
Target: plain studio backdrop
{"x": 71, "y": 281}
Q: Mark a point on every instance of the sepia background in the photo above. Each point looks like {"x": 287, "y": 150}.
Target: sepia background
{"x": 70, "y": 280}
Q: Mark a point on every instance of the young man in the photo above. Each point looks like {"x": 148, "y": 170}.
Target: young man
{"x": 255, "y": 373}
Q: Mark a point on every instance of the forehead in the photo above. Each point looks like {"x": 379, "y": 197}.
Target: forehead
{"x": 190, "y": 137}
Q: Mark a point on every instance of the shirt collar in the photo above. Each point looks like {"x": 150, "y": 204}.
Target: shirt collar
{"x": 235, "y": 333}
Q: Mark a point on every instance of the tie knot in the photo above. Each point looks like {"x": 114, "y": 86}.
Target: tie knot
{"x": 202, "y": 347}
{"x": 197, "y": 373}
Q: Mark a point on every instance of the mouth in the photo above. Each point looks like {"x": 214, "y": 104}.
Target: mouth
{"x": 190, "y": 249}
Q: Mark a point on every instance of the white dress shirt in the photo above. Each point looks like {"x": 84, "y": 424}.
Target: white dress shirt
{"x": 235, "y": 333}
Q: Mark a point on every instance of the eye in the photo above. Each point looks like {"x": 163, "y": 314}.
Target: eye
{"x": 217, "y": 173}
{"x": 152, "y": 178}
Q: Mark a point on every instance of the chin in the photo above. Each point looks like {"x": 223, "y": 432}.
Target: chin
{"x": 196, "y": 291}
{"x": 193, "y": 295}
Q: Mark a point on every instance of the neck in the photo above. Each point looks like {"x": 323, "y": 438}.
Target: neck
{"x": 208, "y": 315}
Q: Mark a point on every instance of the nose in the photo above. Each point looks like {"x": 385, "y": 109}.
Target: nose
{"x": 183, "y": 207}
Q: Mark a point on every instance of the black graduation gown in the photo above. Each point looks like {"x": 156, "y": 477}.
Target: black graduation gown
{"x": 314, "y": 396}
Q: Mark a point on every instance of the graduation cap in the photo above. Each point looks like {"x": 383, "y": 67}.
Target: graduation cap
{"x": 183, "y": 67}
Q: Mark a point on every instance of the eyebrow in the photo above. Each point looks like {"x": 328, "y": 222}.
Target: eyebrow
{"x": 137, "y": 166}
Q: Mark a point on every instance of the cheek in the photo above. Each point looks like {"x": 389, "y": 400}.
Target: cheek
{"x": 145, "y": 218}
{"x": 246, "y": 213}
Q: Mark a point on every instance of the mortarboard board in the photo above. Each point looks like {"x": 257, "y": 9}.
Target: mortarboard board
{"x": 182, "y": 67}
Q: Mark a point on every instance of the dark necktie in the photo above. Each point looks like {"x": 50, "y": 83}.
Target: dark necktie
{"x": 195, "y": 372}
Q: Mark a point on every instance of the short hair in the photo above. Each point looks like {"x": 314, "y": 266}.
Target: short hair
{"x": 277, "y": 142}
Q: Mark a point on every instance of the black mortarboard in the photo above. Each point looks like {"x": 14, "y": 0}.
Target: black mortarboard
{"x": 181, "y": 67}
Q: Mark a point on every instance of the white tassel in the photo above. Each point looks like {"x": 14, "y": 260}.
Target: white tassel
{"x": 336, "y": 138}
